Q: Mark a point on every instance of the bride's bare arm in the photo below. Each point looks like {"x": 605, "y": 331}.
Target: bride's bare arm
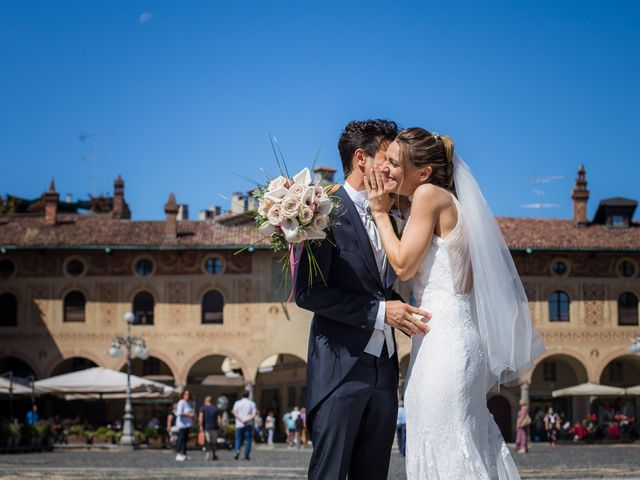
{"x": 406, "y": 255}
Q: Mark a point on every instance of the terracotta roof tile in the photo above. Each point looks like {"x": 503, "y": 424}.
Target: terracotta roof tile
{"x": 100, "y": 230}
{"x": 103, "y": 231}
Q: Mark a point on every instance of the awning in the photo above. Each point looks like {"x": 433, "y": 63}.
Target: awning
{"x": 633, "y": 390}
{"x": 589, "y": 390}
{"x": 99, "y": 382}
{"x": 18, "y": 386}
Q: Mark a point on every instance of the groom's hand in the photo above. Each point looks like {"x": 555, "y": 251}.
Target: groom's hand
{"x": 400, "y": 315}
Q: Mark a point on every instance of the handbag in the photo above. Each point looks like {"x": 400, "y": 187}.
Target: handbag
{"x": 526, "y": 421}
{"x": 200, "y": 438}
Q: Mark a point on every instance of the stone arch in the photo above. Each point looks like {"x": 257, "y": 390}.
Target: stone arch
{"x": 73, "y": 364}
{"x": 280, "y": 385}
{"x": 216, "y": 374}
{"x": 223, "y": 351}
{"x": 622, "y": 370}
{"x": 561, "y": 351}
{"x": 17, "y": 364}
{"x": 565, "y": 379}
{"x": 608, "y": 358}
{"x": 137, "y": 368}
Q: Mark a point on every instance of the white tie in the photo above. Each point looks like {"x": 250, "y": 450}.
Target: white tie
{"x": 379, "y": 336}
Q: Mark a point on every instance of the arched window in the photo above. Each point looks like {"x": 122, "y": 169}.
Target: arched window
{"x": 74, "y": 303}
{"x": 559, "y": 306}
{"x": 8, "y": 310}
{"x": 627, "y": 309}
{"x": 212, "y": 306}
{"x": 143, "y": 304}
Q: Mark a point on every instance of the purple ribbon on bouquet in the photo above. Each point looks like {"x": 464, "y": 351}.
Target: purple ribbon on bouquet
{"x": 294, "y": 261}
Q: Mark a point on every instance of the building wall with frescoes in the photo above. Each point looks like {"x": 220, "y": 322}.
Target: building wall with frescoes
{"x": 216, "y": 319}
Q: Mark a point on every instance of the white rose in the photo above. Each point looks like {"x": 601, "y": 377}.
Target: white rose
{"x": 267, "y": 229}
{"x": 290, "y": 206}
{"x": 320, "y": 223}
{"x": 320, "y": 194}
{"x": 306, "y": 214}
{"x": 297, "y": 189}
{"x": 325, "y": 207}
{"x": 264, "y": 206}
{"x": 277, "y": 183}
{"x": 275, "y": 216}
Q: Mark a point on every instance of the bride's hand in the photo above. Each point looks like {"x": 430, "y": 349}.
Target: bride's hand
{"x": 379, "y": 201}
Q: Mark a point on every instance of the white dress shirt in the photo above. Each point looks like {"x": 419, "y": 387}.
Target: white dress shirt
{"x": 381, "y": 331}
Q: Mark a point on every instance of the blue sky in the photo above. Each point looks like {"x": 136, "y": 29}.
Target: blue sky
{"x": 188, "y": 92}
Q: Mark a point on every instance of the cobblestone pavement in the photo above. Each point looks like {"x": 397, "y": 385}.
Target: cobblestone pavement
{"x": 542, "y": 463}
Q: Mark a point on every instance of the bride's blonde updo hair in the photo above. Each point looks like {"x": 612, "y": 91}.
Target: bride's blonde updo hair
{"x": 422, "y": 148}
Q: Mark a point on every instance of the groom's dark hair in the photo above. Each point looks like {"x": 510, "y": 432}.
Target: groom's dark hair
{"x": 368, "y": 135}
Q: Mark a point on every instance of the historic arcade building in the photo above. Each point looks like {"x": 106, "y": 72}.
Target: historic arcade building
{"x": 215, "y": 319}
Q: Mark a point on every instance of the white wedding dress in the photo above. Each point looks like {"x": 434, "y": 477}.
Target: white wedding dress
{"x": 451, "y": 435}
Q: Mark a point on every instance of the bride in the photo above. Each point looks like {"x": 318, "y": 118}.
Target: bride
{"x": 461, "y": 271}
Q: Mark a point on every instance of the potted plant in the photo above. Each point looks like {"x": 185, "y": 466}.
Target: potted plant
{"x": 41, "y": 432}
{"x": 89, "y": 435}
{"x": 103, "y": 435}
{"x": 153, "y": 437}
{"x": 13, "y": 435}
{"x": 76, "y": 435}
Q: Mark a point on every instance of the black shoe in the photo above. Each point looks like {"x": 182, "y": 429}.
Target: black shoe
{"x": 215, "y": 457}
{"x": 237, "y": 456}
{"x": 247, "y": 458}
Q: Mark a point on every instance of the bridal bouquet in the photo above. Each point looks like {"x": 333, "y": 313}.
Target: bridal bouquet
{"x": 293, "y": 213}
{"x": 293, "y": 210}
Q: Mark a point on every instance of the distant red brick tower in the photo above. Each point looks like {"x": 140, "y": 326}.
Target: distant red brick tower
{"x": 51, "y": 199}
{"x": 580, "y": 195}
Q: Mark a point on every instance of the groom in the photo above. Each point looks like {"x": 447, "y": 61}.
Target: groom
{"x": 352, "y": 368}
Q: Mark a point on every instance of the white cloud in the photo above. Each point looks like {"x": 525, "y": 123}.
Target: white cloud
{"x": 145, "y": 17}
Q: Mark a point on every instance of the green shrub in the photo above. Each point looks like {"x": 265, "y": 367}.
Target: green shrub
{"x": 140, "y": 437}
{"x": 76, "y": 430}
{"x": 41, "y": 429}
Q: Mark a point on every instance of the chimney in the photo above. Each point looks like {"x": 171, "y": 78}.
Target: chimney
{"x": 51, "y": 205}
{"x": 120, "y": 207}
{"x": 171, "y": 222}
{"x": 183, "y": 212}
{"x": 238, "y": 203}
{"x": 580, "y": 195}
{"x": 324, "y": 175}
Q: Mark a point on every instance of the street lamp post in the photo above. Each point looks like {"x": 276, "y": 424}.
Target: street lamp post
{"x": 140, "y": 351}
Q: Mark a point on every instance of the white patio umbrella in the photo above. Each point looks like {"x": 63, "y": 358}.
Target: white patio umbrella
{"x": 633, "y": 390}
{"x": 17, "y": 386}
{"x": 99, "y": 382}
{"x": 589, "y": 390}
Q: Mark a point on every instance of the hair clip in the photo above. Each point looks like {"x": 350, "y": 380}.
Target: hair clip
{"x": 436, "y": 136}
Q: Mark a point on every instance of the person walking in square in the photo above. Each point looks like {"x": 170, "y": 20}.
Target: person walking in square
{"x": 245, "y": 411}
{"x": 401, "y": 429}
{"x": 184, "y": 422}
{"x": 522, "y": 427}
{"x": 209, "y": 423}
{"x": 270, "y": 425}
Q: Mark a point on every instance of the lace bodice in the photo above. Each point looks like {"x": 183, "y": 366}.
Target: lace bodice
{"x": 447, "y": 266}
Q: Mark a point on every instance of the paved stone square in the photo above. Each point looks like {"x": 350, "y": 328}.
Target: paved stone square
{"x": 280, "y": 462}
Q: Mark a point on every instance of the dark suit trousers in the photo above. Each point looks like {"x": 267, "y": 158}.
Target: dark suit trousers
{"x": 353, "y": 428}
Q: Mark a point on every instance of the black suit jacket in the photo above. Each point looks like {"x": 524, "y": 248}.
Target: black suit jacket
{"x": 345, "y": 307}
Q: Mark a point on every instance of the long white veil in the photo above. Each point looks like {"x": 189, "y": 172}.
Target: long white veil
{"x": 498, "y": 297}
